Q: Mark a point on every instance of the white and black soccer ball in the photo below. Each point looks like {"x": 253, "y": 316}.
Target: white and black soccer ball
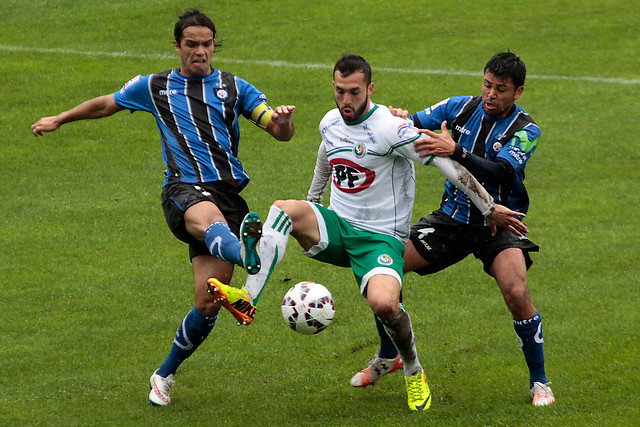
{"x": 308, "y": 308}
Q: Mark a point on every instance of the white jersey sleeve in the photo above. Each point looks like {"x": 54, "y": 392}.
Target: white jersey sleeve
{"x": 321, "y": 176}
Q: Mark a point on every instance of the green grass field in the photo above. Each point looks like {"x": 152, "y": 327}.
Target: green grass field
{"x": 93, "y": 285}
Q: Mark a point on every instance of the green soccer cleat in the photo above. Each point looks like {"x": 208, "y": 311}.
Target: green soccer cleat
{"x": 250, "y": 233}
{"x": 418, "y": 391}
{"x": 235, "y": 300}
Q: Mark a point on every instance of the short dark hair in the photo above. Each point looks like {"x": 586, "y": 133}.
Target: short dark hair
{"x": 507, "y": 65}
{"x": 351, "y": 63}
{"x": 192, "y": 17}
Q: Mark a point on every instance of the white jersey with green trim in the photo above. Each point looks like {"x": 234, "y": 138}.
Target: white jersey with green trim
{"x": 373, "y": 177}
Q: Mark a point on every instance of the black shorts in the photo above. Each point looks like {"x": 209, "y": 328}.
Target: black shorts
{"x": 178, "y": 197}
{"x": 443, "y": 241}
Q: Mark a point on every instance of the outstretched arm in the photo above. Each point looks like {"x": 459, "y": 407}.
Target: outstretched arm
{"x": 95, "y": 108}
{"x": 442, "y": 145}
{"x": 497, "y": 215}
{"x": 280, "y": 125}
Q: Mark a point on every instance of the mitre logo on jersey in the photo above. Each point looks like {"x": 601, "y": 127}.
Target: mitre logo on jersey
{"x": 359, "y": 150}
{"x": 463, "y": 130}
{"x": 222, "y": 94}
{"x": 350, "y": 177}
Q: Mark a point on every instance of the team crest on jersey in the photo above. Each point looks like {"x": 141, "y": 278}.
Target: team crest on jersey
{"x": 359, "y": 150}
{"x": 350, "y": 177}
{"x": 497, "y": 146}
{"x": 130, "y": 82}
{"x": 222, "y": 94}
{"x": 385, "y": 259}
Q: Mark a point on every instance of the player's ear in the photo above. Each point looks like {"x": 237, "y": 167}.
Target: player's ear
{"x": 518, "y": 92}
{"x": 370, "y": 89}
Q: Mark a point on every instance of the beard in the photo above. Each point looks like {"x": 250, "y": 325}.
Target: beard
{"x": 357, "y": 113}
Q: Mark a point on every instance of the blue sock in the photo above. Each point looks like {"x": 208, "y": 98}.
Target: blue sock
{"x": 192, "y": 332}
{"x": 222, "y": 243}
{"x": 529, "y": 334}
{"x": 387, "y": 349}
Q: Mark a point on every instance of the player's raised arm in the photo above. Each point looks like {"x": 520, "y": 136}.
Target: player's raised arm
{"x": 95, "y": 108}
{"x": 281, "y": 124}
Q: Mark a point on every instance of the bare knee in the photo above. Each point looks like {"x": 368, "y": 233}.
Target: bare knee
{"x": 516, "y": 296}
{"x": 285, "y": 205}
{"x": 384, "y": 307}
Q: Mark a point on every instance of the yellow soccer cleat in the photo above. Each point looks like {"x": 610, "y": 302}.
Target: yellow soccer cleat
{"x": 235, "y": 300}
{"x": 418, "y": 391}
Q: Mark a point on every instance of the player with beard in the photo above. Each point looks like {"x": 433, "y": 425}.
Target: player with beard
{"x": 371, "y": 155}
{"x": 494, "y": 139}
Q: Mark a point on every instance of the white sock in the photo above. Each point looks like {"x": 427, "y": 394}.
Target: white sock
{"x": 400, "y": 331}
{"x": 275, "y": 235}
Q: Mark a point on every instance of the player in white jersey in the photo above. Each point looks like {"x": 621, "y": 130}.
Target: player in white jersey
{"x": 370, "y": 153}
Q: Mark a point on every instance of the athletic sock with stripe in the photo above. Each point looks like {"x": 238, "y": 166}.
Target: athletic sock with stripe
{"x": 275, "y": 235}
{"x": 529, "y": 332}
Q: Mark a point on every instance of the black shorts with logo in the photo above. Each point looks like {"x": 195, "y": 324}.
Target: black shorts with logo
{"x": 443, "y": 241}
{"x": 178, "y": 197}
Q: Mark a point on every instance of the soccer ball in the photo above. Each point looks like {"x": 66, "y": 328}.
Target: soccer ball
{"x": 308, "y": 308}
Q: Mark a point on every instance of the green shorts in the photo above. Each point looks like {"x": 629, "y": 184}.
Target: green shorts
{"x": 366, "y": 252}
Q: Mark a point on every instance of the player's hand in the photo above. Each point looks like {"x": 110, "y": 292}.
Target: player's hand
{"x": 45, "y": 124}
{"x": 506, "y": 218}
{"x": 283, "y": 114}
{"x": 399, "y": 112}
{"x": 437, "y": 144}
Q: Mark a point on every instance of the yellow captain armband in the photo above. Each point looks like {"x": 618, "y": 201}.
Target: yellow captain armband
{"x": 261, "y": 115}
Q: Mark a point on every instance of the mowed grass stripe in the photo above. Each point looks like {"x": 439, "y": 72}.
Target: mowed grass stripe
{"x": 593, "y": 79}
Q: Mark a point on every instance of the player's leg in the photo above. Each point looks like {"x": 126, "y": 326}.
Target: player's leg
{"x": 509, "y": 268}
{"x": 194, "y": 328}
{"x": 205, "y": 222}
{"x": 213, "y": 213}
{"x": 438, "y": 239}
{"x": 383, "y": 295}
{"x": 286, "y": 217}
{"x": 385, "y": 361}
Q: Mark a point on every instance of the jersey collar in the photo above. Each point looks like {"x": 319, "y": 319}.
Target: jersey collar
{"x": 372, "y": 107}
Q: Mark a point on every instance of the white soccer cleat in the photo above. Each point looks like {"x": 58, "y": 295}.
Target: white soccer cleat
{"x": 160, "y": 389}
{"x": 376, "y": 368}
{"x": 542, "y": 394}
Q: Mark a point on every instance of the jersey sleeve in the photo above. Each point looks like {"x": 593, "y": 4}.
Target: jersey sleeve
{"x": 431, "y": 118}
{"x": 402, "y": 141}
{"x": 135, "y": 95}
{"x": 250, "y": 99}
{"x": 321, "y": 176}
{"x": 521, "y": 146}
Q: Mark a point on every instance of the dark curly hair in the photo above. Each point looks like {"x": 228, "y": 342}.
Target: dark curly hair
{"x": 507, "y": 65}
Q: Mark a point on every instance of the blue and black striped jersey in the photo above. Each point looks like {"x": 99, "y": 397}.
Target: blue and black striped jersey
{"x": 198, "y": 121}
{"x": 513, "y": 138}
